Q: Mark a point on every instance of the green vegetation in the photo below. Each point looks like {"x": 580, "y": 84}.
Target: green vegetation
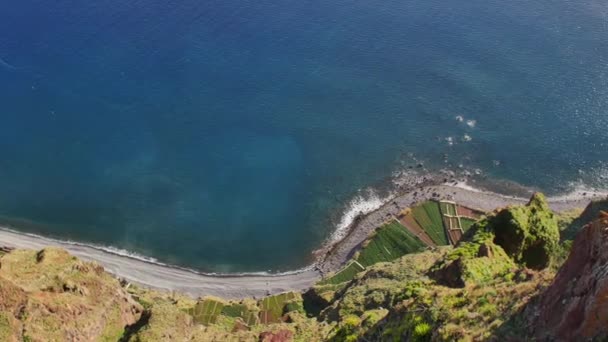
{"x": 529, "y": 234}
{"x": 448, "y": 208}
{"x": 475, "y": 260}
{"x": 273, "y": 307}
{"x": 49, "y": 295}
{"x": 6, "y": 326}
{"x": 395, "y": 289}
{"x": 475, "y": 313}
{"x": 207, "y": 311}
{"x": 394, "y": 240}
{"x": 243, "y": 311}
{"x": 430, "y": 219}
{"x": 390, "y": 242}
{"x": 466, "y": 293}
{"x": 344, "y": 275}
{"x": 466, "y": 223}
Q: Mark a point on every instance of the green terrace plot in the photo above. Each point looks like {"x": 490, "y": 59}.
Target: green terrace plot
{"x": 207, "y": 311}
{"x": 448, "y": 208}
{"x": 390, "y": 242}
{"x": 393, "y": 240}
{"x": 346, "y": 274}
{"x": 274, "y": 307}
{"x": 430, "y": 219}
{"x": 249, "y": 316}
{"x": 466, "y": 223}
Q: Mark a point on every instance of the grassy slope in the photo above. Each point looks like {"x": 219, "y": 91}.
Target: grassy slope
{"x": 50, "y": 295}
{"x": 401, "y": 298}
{"x": 485, "y": 304}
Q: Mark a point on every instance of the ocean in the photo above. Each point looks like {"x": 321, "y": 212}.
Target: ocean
{"x": 233, "y": 136}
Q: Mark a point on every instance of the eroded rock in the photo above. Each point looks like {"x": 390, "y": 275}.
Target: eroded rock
{"x": 575, "y": 306}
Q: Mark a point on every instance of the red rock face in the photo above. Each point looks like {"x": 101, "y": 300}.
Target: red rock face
{"x": 575, "y": 306}
{"x": 279, "y": 336}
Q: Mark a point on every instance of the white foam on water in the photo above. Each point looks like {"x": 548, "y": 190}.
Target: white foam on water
{"x": 362, "y": 204}
{"x": 578, "y": 191}
{"x": 472, "y": 123}
{"x": 119, "y": 252}
{"x": 366, "y": 202}
{"x": 466, "y": 186}
{"x": 107, "y": 249}
{"x": 7, "y": 65}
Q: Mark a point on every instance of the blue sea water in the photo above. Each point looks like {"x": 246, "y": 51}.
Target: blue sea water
{"x": 228, "y": 135}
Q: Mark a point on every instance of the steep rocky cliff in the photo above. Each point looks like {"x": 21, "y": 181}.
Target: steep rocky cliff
{"x": 575, "y": 306}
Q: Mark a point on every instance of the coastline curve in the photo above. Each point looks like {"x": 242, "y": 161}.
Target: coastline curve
{"x": 151, "y": 273}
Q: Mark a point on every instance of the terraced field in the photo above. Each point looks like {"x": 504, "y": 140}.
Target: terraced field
{"x": 269, "y": 310}
{"x": 466, "y": 223}
{"x": 448, "y": 208}
{"x": 346, "y": 274}
{"x": 469, "y": 213}
{"x": 457, "y": 219}
{"x": 429, "y": 224}
{"x": 273, "y": 307}
{"x": 249, "y": 316}
{"x": 429, "y": 217}
{"x": 410, "y": 223}
{"x": 207, "y": 311}
{"x": 390, "y": 242}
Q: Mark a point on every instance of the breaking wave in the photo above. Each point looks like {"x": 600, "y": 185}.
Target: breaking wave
{"x": 360, "y": 205}
{"x": 119, "y": 252}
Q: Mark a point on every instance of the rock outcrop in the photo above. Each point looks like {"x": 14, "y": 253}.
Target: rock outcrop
{"x": 575, "y": 306}
{"x": 279, "y": 336}
{"x": 590, "y": 213}
{"x": 50, "y": 295}
{"x": 529, "y": 234}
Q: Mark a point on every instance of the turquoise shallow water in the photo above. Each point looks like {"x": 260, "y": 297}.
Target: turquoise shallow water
{"x": 229, "y": 135}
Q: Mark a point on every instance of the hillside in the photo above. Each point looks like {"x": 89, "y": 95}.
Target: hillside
{"x": 415, "y": 278}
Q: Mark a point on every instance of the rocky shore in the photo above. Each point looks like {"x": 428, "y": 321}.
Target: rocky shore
{"x": 334, "y": 256}
{"x": 330, "y": 258}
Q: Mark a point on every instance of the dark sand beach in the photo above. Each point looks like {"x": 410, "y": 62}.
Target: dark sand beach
{"x": 330, "y": 257}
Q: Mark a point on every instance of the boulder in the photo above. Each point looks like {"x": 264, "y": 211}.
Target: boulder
{"x": 529, "y": 234}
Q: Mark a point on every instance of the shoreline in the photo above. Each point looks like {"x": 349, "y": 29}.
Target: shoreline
{"x": 330, "y": 257}
{"x": 339, "y": 253}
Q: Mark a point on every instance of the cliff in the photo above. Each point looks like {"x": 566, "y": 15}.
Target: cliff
{"x": 504, "y": 280}
{"x": 575, "y": 306}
